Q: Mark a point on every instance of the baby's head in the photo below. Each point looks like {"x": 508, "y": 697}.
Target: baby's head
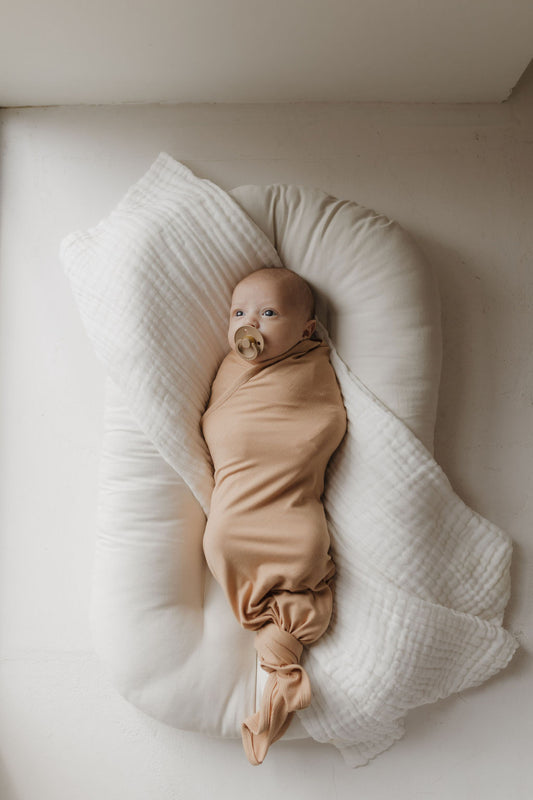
{"x": 277, "y": 302}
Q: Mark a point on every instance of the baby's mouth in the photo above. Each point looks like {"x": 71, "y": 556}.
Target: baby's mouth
{"x": 249, "y": 342}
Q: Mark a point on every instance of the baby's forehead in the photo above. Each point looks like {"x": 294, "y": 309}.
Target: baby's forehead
{"x": 258, "y": 285}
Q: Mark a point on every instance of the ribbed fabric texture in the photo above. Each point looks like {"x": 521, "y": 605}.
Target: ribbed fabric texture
{"x": 422, "y": 583}
{"x": 153, "y": 282}
{"x": 422, "y": 580}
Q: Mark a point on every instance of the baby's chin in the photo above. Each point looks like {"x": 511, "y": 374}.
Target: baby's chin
{"x": 265, "y": 355}
{"x": 268, "y": 353}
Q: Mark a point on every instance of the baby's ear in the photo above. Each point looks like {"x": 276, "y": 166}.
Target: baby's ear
{"x": 310, "y": 328}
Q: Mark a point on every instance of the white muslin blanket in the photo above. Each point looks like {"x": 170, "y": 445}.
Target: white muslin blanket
{"x": 422, "y": 580}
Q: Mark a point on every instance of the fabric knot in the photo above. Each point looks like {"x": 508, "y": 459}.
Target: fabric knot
{"x": 287, "y": 690}
{"x": 276, "y": 647}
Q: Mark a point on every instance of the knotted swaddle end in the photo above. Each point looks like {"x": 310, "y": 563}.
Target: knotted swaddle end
{"x": 287, "y": 690}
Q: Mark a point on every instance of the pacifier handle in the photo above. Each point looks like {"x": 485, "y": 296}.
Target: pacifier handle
{"x": 249, "y": 342}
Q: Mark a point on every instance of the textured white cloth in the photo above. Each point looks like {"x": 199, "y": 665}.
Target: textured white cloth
{"x": 422, "y": 580}
{"x": 153, "y": 294}
{"x": 421, "y": 587}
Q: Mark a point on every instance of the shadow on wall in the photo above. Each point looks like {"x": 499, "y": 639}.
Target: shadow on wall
{"x": 6, "y": 787}
{"x": 466, "y": 375}
{"x": 469, "y": 379}
{"x": 523, "y": 89}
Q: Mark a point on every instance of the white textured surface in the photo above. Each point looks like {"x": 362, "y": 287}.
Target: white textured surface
{"x": 151, "y": 281}
{"x": 460, "y": 179}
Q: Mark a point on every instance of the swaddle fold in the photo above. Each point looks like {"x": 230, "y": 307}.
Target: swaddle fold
{"x": 271, "y": 429}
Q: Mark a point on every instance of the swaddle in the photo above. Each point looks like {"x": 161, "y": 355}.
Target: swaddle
{"x": 271, "y": 429}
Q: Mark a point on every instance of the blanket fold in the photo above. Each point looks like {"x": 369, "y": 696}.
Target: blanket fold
{"x": 422, "y": 580}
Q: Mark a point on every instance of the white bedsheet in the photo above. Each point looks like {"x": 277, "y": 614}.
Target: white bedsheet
{"x": 422, "y": 579}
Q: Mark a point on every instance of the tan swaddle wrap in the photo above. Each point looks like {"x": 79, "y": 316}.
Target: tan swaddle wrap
{"x": 271, "y": 429}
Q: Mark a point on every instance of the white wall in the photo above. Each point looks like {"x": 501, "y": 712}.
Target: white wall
{"x": 460, "y": 179}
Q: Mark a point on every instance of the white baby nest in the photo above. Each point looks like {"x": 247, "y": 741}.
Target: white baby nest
{"x": 161, "y": 624}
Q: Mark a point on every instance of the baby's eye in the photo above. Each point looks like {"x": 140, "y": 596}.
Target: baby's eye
{"x": 269, "y": 312}
{"x": 238, "y": 313}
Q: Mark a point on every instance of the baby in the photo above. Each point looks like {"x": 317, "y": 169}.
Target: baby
{"x": 274, "y": 418}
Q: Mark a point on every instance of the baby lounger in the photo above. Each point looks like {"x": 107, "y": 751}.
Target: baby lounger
{"x": 421, "y": 586}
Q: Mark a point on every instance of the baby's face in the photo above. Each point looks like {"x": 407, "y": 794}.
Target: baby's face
{"x": 269, "y": 304}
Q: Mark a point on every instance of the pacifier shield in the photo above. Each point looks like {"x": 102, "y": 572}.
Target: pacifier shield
{"x": 249, "y": 342}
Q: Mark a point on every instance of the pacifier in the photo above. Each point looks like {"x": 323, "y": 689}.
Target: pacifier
{"x": 248, "y": 342}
